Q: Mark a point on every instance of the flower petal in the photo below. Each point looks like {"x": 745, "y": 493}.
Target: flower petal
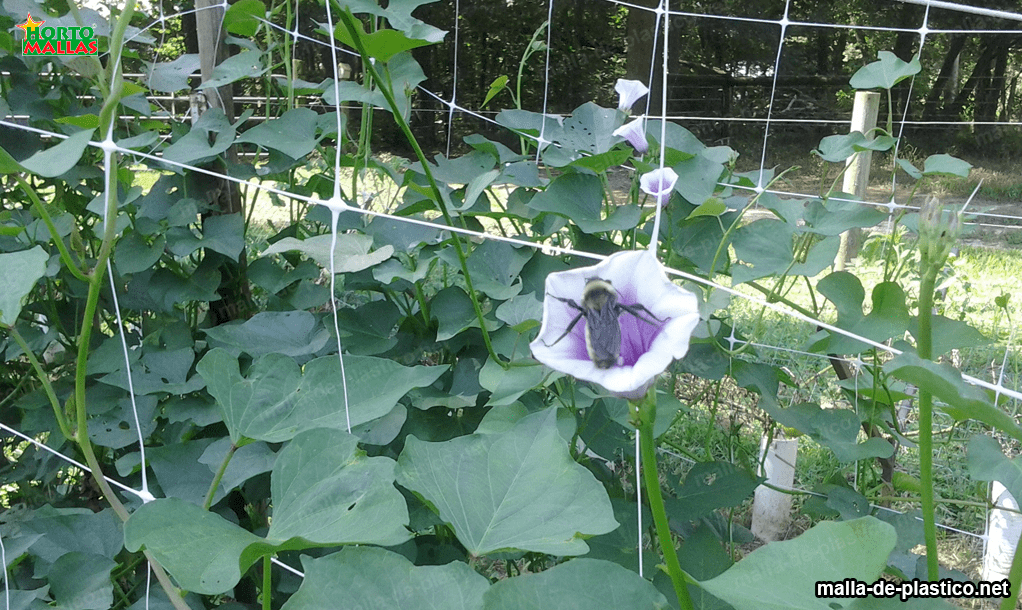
{"x": 635, "y": 133}
{"x": 630, "y": 91}
{"x": 646, "y": 348}
{"x": 659, "y": 183}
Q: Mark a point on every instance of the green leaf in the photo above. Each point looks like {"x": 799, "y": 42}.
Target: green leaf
{"x": 579, "y": 584}
{"x": 589, "y": 128}
{"x": 65, "y": 530}
{"x": 507, "y": 385}
{"x": 453, "y": 311}
{"x": 292, "y": 133}
{"x": 839, "y": 148}
{"x": 496, "y": 87}
{"x": 326, "y": 491}
{"x": 381, "y": 44}
{"x": 8, "y": 165}
{"x": 276, "y": 400}
{"x": 134, "y": 254}
{"x": 697, "y": 178}
{"x": 244, "y": 17}
{"x": 884, "y": 73}
{"x": 836, "y": 429}
{"x": 601, "y": 162}
{"x": 203, "y": 551}
{"x": 19, "y": 271}
{"x": 522, "y": 312}
{"x": 835, "y": 217}
{"x": 494, "y": 267}
{"x": 765, "y": 243}
{"x": 172, "y": 76}
{"x": 247, "y": 64}
{"x": 351, "y": 253}
{"x": 948, "y": 334}
{"x": 82, "y": 581}
{"x": 710, "y": 207}
{"x": 964, "y": 401}
{"x": 829, "y": 551}
{"x": 888, "y": 318}
{"x": 194, "y": 147}
{"x": 910, "y": 169}
{"x": 248, "y": 461}
{"x": 84, "y": 121}
{"x": 709, "y": 486}
{"x": 988, "y": 463}
{"x": 292, "y": 333}
{"x": 947, "y": 165}
{"x": 579, "y": 197}
{"x": 355, "y": 578}
{"x": 59, "y": 159}
{"x": 517, "y": 489}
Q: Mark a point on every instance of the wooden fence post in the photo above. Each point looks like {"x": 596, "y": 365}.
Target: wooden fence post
{"x": 864, "y": 118}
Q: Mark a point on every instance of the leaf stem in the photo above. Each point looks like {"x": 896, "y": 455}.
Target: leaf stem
{"x": 924, "y": 347}
{"x": 267, "y": 581}
{"x": 386, "y": 89}
{"x": 58, "y": 412}
{"x": 41, "y": 209}
{"x": 219, "y": 475}
{"x": 645, "y": 410}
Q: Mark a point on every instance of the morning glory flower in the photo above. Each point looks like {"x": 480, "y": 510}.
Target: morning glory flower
{"x": 635, "y": 133}
{"x": 630, "y": 91}
{"x": 659, "y": 183}
{"x": 648, "y": 345}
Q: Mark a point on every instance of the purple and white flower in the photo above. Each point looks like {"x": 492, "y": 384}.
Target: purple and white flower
{"x": 635, "y": 133}
{"x": 659, "y": 183}
{"x": 648, "y": 345}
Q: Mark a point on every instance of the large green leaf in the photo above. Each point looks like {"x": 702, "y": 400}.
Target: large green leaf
{"x": 247, "y": 64}
{"x": 350, "y": 254}
{"x": 517, "y": 489}
{"x": 195, "y": 147}
{"x": 580, "y": 584}
{"x": 837, "y": 429}
{"x": 203, "y": 551}
{"x": 292, "y": 133}
{"x": 783, "y": 575}
{"x": 709, "y": 486}
{"x": 82, "y": 581}
{"x": 580, "y": 198}
{"x": 276, "y": 400}
{"x": 58, "y": 159}
{"x": 326, "y": 491}
{"x": 357, "y": 578}
{"x": 382, "y": 44}
{"x": 884, "y": 73}
{"x": 172, "y": 76}
{"x": 292, "y": 333}
{"x": 963, "y": 401}
{"x": 19, "y": 271}
{"x": 988, "y": 463}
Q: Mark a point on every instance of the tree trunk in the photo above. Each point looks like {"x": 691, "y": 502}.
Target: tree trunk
{"x": 944, "y": 83}
{"x": 639, "y": 48}
{"x": 223, "y": 195}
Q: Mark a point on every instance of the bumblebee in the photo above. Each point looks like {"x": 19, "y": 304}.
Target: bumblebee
{"x": 601, "y": 310}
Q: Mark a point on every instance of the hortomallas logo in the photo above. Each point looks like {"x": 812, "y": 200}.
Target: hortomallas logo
{"x": 48, "y": 40}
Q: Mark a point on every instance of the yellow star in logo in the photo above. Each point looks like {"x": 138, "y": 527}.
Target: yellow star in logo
{"x": 29, "y": 24}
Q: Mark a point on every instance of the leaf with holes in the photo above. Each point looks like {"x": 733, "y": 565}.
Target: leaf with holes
{"x": 172, "y": 76}
{"x": 517, "y": 489}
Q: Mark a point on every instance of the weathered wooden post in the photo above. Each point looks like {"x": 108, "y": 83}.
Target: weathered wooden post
{"x": 864, "y": 119}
